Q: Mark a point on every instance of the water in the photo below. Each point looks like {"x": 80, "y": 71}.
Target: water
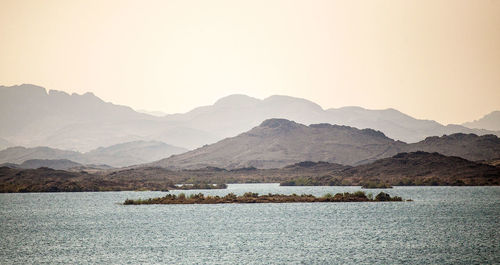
{"x": 444, "y": 225}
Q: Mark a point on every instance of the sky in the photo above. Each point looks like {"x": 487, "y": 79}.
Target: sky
{"x": 431, "y": 59}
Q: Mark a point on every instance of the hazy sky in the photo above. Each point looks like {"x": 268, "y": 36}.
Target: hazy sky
{"x": 430, "y": 59}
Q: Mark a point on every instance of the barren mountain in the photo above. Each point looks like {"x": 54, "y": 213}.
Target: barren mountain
{"x": 18, "y": 154}
{"x": 59, "y": 164}
{"x": 278, "y": 142}
{"x": 418, "y": 168}
{"x": 132, "y": 153}
{"x": 119, "y": 155}
{"x": 235, "y": 114}
{"x": 422, "y": 167}
{"x": 468, "y": 146}
{"x": 34, "y": 117}
{"x": 490, "y": 121}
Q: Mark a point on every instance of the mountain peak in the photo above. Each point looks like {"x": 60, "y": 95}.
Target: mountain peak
{"x": 288, "y": 100}
{"x": 236, "y": 100}
{"x": 490, "y": 121}
{"x": 24, "y": 90}
{"x": 279, "y": 123}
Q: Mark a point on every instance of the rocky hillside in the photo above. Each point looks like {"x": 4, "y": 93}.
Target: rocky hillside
{"x": 468, "y": 146}
{"x": 426, "y": 167}
{"x": 278, "y": 142}
{"x": 417, "y": 168}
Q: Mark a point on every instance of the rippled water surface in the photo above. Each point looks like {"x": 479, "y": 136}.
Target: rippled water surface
{"x": 443, "y": 225}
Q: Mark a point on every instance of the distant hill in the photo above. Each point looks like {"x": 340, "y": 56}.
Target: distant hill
{"x": 18, "y": 154}
{"x": 422, "y": 168}
{"x": 132, "y": 153}
{"x": 120, "y": 155}
{"x": 63, "y": 164}
{"x": 490, "y": 121}
{"x": 51, "y": 180}
{"x": 278, "y": 142}
{"x": 403, "y": 169}
{"x": 4, "y": 144}
{"x": 468, "y": 146}
{"x": 31, "y": 117}
{"x": 235, "y": 114}
{"x": 417, "y": 168}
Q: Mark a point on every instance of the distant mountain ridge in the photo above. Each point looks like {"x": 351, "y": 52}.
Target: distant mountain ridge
{"x": 490, "y": 121}
{"x": 403, "y": 169}
{"x": 120, "y": 155}
{"x": 279, "y": 142}
{"x": 416, "y": 168}
{"x": 426, "y": 168}
{"x": 58, "y": 164}
{"x": 31, "y": 116}
{"x": 234, "y": 114}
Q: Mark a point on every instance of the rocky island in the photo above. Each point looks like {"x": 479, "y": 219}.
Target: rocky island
{"x": 250, "y": 197}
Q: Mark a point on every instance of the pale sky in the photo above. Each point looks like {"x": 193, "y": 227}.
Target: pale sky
{"x": 431, "y": 59}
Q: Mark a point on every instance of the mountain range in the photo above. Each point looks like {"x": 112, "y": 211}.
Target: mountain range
{"x": 118, "y": 155}
{"x": 403, "y": 169}
{"x": 490, "y": 121}
{"x": 417, "y": 168}
{"x": 279, "y": 142}
{"x": 31, "y": 116}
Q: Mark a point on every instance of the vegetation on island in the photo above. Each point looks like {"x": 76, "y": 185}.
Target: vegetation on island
{"x": 250, "y": 197}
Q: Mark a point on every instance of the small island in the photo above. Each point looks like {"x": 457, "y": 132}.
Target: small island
{"x": 250, "y": 197}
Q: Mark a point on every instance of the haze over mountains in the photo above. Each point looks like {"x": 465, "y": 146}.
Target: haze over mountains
{"x": 279, "y": 142}
{"x": 490, "y": 121}
{"x": 32, "y": 117}
{"x": 119, "y": 155}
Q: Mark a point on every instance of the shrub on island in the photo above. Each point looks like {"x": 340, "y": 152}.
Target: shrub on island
{"x": 250, "y": 197}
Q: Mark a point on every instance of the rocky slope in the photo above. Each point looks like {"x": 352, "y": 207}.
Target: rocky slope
{"x": 468, "y": 146}
{"x": 417, "y": 168}
{"x": 422, "y": 168}
{"x": 278, "y": 142}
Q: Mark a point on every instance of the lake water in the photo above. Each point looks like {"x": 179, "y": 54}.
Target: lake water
{"x": 443, "y": 225}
